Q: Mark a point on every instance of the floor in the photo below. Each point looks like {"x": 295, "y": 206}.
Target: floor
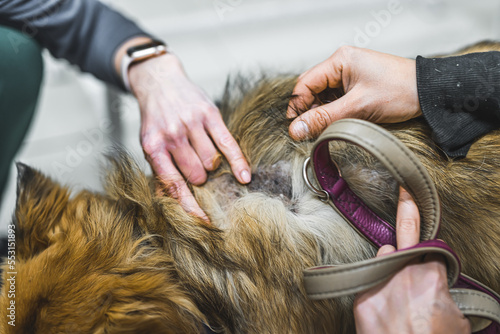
{"x": 219, "y": 37}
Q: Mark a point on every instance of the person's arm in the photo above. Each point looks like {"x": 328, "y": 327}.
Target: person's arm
{"x": 181, "y": 128}
{"x": 460, "y": 98}
{"x": 378, "y": 87}
{"x": 416, "y": 299}
{"x": 84, "y": 32}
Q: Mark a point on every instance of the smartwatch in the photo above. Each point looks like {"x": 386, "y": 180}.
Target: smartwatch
{"x": 138, "y": 53}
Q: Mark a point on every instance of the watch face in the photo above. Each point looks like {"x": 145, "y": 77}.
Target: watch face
{"x": 147, "y": 50}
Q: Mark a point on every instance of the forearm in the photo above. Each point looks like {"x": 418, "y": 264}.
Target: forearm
{"x": 460, "y": 98}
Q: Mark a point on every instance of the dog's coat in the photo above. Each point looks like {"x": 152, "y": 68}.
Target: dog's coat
{"x": 129, "y": 261}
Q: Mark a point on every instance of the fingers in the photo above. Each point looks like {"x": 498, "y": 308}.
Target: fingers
{"x": 189, "y": 163}
{"x": 313, "y": 122}
{"x": 407, "y": 221}
{"x": 438, "y": 263}
{"x": 204, "y": 148}
{"x": 386, "y": 249}
{"x": 175, "y": 141}
{"x": 312, "y": 82}
{"x": 185, "y": 147}
{"x": 229, "y": 147}
{"x": 174, "y": 183}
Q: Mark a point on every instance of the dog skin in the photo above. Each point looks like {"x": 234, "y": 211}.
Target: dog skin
{"x": 131, "y": 261}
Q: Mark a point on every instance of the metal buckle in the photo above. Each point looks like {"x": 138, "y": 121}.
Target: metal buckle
{"x": 322, "y": 194}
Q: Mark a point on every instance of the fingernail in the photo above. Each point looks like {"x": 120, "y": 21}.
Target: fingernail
{"x": 245, "y": 176}
{"x": 300, "y": 129}
{"x": 206, "y": 219}
{"x": 216, "y": 161}
{"x": 200, "y": 214}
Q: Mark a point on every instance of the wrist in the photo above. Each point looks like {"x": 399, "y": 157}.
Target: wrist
{"x": 413, "y": 87}
{"x": 122, "y": 50}
{"x": 135, "y": 51}
{"x": 154, "y": 70}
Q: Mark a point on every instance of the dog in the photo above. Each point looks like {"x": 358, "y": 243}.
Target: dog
{"x": 130, "y": 261}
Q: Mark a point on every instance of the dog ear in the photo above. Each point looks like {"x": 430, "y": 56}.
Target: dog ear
{"x": 125, "y": 178}
{"x": 40, "y": 204}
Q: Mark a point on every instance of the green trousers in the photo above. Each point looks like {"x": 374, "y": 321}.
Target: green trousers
{"x": 21, "y": 71}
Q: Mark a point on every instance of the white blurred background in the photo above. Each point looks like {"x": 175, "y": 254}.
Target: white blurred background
{"x": 214, "y": 38}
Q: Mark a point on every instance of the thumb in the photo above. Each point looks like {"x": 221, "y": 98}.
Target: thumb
{"x": 311, "y": 123}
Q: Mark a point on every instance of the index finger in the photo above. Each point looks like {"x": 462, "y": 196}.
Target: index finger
{"x": 327, "y": 74}
{"x": 407, "y": 221}
{"x": 226, "y": 143}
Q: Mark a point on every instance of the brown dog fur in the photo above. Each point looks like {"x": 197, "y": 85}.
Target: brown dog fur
{"x": 128, "y": 261}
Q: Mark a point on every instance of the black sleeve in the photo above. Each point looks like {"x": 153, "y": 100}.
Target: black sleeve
{"x": 460, "y": 98}
{"x": 85, "y": 32}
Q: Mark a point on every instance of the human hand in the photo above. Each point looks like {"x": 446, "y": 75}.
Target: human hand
{"x": 378, "y": 87}
{"x": 181, "y": 128}
{"x": 416, "y": 299}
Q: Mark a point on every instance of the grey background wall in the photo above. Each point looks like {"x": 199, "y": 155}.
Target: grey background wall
{"x": 217, "y": 37}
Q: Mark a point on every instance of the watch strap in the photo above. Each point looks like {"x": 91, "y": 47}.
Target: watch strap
{"x": 126, "y": 61}
{"x": 133, "y": 55}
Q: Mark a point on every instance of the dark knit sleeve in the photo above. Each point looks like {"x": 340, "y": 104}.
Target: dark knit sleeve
{"x": 85, "y": 32}
{"x": 460, "y": 98}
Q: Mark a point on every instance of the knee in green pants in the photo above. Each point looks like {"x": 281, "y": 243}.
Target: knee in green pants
{"x": 21, "y": 71}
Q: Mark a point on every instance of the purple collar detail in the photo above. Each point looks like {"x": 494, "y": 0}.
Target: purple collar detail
{"x": 365, "y": 221}
{"x": 356, "y": 212}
